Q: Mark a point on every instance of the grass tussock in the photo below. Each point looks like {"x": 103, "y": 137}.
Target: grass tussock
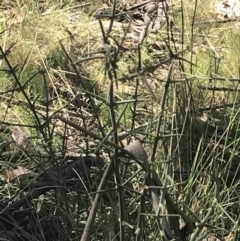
{"x": 83, "y": 91}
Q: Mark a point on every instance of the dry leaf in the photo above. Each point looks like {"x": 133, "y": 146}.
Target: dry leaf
{"x": 22, "y": 140}
{"x": 15, "y": 173}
